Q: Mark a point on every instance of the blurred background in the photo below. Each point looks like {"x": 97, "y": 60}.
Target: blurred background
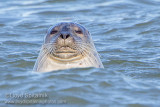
{"x": 126, "y": 34}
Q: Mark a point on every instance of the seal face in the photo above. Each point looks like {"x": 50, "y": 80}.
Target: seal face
{"x": 67, "y": 45}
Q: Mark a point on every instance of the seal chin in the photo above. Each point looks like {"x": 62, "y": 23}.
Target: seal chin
{"x": 66, "y": 53}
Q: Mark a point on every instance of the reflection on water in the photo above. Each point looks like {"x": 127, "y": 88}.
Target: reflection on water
{"x": 126, "y": 34}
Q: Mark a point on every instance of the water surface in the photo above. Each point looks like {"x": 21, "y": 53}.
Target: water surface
{"x": 126, "y": 34}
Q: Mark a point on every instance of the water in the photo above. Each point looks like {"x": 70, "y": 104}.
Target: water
{"x": 126, "y": 34}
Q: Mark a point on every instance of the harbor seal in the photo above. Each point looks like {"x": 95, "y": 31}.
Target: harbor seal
{"x": 67, "y": 45}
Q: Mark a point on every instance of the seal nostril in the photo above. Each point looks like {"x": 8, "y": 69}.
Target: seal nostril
{"x": 67, "y": 36}
{"x": 61, "y": 36}
{"x": 64, "y": 36}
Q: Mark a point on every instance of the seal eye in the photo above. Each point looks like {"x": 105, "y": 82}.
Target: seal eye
{"x": 54, "y": 31}
{"x": 78, "y": 31}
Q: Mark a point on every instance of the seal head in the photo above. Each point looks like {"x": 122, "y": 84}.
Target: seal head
{"x": 67, "y": 45}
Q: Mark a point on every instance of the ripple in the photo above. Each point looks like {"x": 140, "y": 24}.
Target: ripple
{"x": 137, "y": 105}
{"x": 104, "y": 84}
{"x": 76, "y": 100}
{"x": 57, "y": 1}
{"x": 83, "y": 89}
{"x": 150, "y": 3}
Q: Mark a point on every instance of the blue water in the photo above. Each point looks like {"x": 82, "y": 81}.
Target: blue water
{"x": 126, "y": 34}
